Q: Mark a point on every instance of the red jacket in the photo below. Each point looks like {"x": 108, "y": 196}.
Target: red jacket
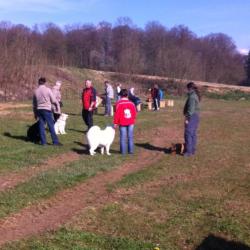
{"x": 88, "y": 96}
{"x": 125, "y": 112}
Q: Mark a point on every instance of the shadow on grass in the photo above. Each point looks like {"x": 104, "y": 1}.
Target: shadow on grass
{"x": 81, "y": 151}
{"x": 17, "y": 137}
{"x": 77, "y": 130}
{"x": 149, "y": 146}
{"x": 85, "y": 149}
{"x": 74, "y": 114}
{"x": 212, "y": 242}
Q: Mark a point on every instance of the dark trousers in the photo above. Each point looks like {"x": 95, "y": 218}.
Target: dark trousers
{"x": 156, "y": 103}
{"x": 44, "y": 117}
{"x": 191, "y": 133}
{"x": 87, "y": 116}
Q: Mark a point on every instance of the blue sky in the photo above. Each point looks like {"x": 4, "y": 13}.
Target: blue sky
{"x": 231, "y": 17}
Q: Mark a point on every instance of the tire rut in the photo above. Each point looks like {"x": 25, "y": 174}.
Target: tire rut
{"x": 52, "y": 213}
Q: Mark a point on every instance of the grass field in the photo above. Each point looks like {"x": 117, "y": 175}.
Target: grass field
{"x": 173, "y": 202}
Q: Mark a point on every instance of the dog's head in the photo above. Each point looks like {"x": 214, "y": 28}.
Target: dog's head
{"x": 177, "y": 148}
{"x": 63, "y": 117}
{"x": 110, "y": 130}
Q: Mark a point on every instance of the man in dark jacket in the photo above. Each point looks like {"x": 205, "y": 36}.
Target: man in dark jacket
{"x": 191, "y": 113}
{"x": 155, "y": 97}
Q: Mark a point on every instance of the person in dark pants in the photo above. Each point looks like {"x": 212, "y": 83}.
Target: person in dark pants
{"x": 88, "y": 103}
{"x": 191, "y": 113}
{"x": 155, "y": 97}
{"x": 42, "y": 106}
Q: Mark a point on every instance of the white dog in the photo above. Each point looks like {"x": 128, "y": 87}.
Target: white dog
{"x": 61, "y": 124}
{"x": 103, "y": 138}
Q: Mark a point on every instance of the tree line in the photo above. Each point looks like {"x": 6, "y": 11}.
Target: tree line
{"x": 174, "y": 52}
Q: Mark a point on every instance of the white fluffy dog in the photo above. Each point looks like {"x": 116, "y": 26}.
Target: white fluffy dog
{"x": 103, "y": 138}
{"x": 61, "y": 124}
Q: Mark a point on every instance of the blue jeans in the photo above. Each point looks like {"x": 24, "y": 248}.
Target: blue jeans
{"x": 191, "y": 134}
{"x": 127, "y": 139}
{"x": 46, "y": 116}
{"x": 108, "y": 106}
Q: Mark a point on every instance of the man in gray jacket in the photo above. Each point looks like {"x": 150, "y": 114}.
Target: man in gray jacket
{"x": 42, "y": 106}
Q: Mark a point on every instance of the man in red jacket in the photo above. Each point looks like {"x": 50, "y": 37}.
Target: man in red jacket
{"x": 88, "y": 103}
{"x": 125, "y": 115}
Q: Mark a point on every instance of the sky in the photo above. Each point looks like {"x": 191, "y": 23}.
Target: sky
{"x": 203, "y": 17}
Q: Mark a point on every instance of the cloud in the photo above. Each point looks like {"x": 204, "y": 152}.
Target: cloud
{"x": 244, "y": 51}
{"x": 46, "y": 6}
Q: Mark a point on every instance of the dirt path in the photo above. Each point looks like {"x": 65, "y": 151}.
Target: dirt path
{"x": 6, "y": 108}
{"x": 51, "y": 214}
{"x": 11, "y": 180}
{"x": 10, "y": 105}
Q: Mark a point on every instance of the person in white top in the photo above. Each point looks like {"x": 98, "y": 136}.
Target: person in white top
{"x": 56, "y": 90}
{"x": 118, "y": 90}
{"x": 109, "y": 95}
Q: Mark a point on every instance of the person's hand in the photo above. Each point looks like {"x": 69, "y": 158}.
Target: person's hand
{"x": 186, "y": 122}
{"x": 90, "y": 109}
{"x": 115, "y": 126}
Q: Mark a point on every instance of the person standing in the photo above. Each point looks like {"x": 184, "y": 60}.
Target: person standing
{"x": 155, "y": 97}
{"x": 125, "y": 116}
{"x": 88, "y": 103}
{"x": 191, "y": 113}
{"x": 56, "y": 90}
{"x": 133, "y": 98}
{"x": 118, "y": 90}
{"x": 109, "y": 95}
{"x": 43, "y": 99}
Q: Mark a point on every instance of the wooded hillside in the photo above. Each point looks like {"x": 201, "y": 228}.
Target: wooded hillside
{"x": 155, "y": 50}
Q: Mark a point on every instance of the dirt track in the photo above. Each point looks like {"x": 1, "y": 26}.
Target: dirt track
{"x": 52, "y": 213}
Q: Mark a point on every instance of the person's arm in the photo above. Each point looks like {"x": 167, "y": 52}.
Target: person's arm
{"x": 117, "y": 116}
{"x": 93, "y": 100}
{"x": 54, "y": 101}
{"x": 190, "y": 107}
{"x": 133, "y": 110}
{"x": 34, "y": 102}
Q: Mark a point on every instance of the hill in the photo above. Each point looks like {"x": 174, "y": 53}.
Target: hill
{"x": 73, "y": 82}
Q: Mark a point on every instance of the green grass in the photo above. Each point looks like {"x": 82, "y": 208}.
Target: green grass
{"x": 229, "y": 95}
{"x": 176, "y": 202}
{"x": 207, "y": 194}
{"x": 47, "y": 183}
{"x": 77, "y": 240}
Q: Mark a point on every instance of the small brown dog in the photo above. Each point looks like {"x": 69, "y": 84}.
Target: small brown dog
{"x": 177, "y": 148}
